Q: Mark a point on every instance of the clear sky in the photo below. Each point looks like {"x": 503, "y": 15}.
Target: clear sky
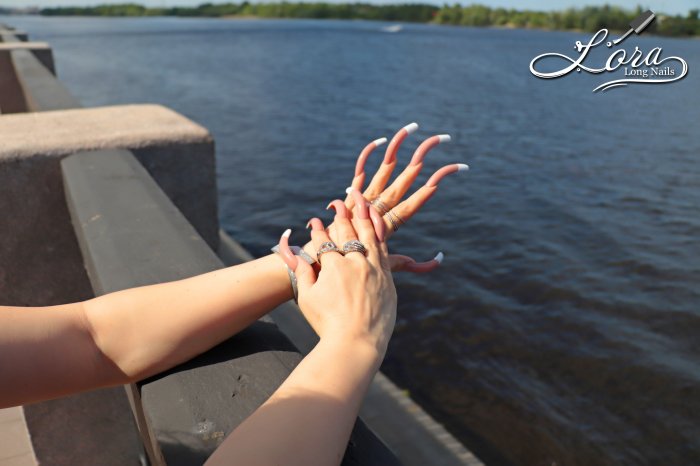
{"x": 665, "y": 6}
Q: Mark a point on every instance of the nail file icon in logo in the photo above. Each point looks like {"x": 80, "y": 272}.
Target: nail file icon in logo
{"x": 637, "y": 25}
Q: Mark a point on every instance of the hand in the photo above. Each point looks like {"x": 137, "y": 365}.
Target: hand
{"x": 391, "y": 197}
{"x": 354, "y": 298}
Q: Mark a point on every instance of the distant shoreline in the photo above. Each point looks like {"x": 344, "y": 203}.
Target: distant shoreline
{"x": 587, "y": 19}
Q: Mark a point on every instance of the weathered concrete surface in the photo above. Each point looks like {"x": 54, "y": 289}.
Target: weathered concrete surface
{"x": 11, "y": 92}
{"x": 178, "y": 153}
{"x": 41, "y": 50}
{"x": 93, "y": 428}
{"x": 13, "y": 36}
{"x": 40, "y": 89}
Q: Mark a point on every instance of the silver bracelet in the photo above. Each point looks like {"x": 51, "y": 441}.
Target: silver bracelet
{"x": 292, "y": 276}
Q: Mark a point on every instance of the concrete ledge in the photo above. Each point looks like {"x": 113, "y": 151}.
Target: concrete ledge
{"x": 40, "y": 88}
{"x": 13, "y": 36}
{"x": 177, "y": 152}
{"x": 41, "y": 50}
{"x": 130, "y": 235}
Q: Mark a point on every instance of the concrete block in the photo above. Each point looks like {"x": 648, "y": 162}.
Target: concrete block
{"x": 41, "y": 50}
{"x": 13, "y": 36}
{"x": 39, "y": 87}
{"x": 40, "y": 262}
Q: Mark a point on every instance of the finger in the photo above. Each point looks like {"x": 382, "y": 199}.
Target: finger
{"x": 344, "y": 229}
{"x": 285, "y": 252}
{"x": 364, "y": 228}
{"x": 393, "y": 194}
{"x": 401, "y": 263}
{"x": 319, "y": 236}
{"x": 305, "y": 276}
{"x": 374, "y": 216}
{"x": 408, "y": 208}
{"x": 315, "y": 224}
{"x": 359, "y": 178}
{"x": 383, "y": 174}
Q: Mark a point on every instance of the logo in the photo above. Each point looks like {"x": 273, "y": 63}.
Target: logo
{"x": 637, "y": 67}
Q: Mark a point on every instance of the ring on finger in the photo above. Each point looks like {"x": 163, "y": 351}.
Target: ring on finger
{"x": 394, "y": 220}
{"x": 328, "y": 246}
{"x": 354, "y": 246}
{"x": 380, "y": 206}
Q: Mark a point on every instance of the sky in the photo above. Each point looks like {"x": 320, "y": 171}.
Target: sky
{"x": 660, "y": 6}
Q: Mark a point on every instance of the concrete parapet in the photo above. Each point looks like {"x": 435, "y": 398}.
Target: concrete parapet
{"x": 40, "y": 263}
{"x": 8, "y": 35}
{"x": 39, "y": 88}
{"x": 41, "y": 50}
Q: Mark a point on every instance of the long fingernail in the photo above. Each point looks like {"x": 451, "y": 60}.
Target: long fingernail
{"x": 285, "y": 252}
{"x": 315, "y": 224}
{"x": 341, "y": 211}
{"x": 362, "y": 158}
{"x": 426, "y": 146}
{"x": 360, "y": 203}
{"x": 425, "y": 267}
{"x": 378, "y": 223}
{"x": 444, "y": 171}
{"x": 393, "y": 148}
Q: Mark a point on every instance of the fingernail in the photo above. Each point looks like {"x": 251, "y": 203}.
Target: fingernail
{"x": 379, "y": 142}
{"x": 411, "y": 127}
{"x": 285, "y": 252}
{"x": 360, "y": 204}
{"x": 393, "y": 147}
{"x": 339, "y": 206}
{"x": 378, "y": 223}
{"x": 440, "y": 256}
{"x": 426, "y": 146}
{"x": 362, "y": 158}
{"x": 316, "y": 224}
{"x": 444, "y": 171}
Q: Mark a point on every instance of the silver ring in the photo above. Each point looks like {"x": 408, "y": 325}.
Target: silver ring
{"x": 394, "y": 219}
{"x": 380, "y": 206}
{"x": 354, "y": 246}
{"x": 328, "y": 246}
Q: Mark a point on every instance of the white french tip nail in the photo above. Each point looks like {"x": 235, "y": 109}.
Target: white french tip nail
{"x": 411, "y": 127}
{"x": 287, "y": 233}
{"x": 445, "y": 137}
{"x": 462, "y": 167}
{"x": 379, "y": 142}
{"x": 440, "y": 256}
{"x": 348, "y": 190}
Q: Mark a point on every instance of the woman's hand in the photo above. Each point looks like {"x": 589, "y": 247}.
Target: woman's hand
{"x": 354, "y": 298}
{"x": 388, "y": 212}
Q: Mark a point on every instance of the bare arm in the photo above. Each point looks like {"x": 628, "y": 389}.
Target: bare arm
{"x": 129, "y": 335}
{"x": 352, "y": 306}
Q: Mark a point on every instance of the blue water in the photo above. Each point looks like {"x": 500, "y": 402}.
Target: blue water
{"x": 563, "y": 327}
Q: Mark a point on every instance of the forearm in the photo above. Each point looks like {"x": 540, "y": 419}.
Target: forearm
{"x": 143, "y": 331}
{"x": 308, "y": 420}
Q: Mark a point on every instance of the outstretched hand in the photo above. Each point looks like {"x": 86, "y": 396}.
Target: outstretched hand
{"x": 387, "y": 210}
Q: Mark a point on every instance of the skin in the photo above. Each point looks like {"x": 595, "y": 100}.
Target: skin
{"x": 352, "y": 306}
{"x": 122, "y": 337}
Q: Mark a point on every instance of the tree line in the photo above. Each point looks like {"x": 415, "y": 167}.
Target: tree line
{"x": 589, "y": 19}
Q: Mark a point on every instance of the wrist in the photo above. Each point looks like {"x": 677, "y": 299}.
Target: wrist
{"x": 360, "y": 349}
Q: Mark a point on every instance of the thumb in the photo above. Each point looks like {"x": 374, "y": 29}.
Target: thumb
{"x": 305, "y": 276}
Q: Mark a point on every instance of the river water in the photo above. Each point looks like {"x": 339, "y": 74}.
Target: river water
{"x": 563, "y": 327}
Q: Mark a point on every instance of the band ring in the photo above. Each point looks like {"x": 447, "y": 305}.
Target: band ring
{"x": 328, "y": 246}
{"x": 354, "y": 246}
{"x": 380, "y": 206}
{"x": 394, "y": 220}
